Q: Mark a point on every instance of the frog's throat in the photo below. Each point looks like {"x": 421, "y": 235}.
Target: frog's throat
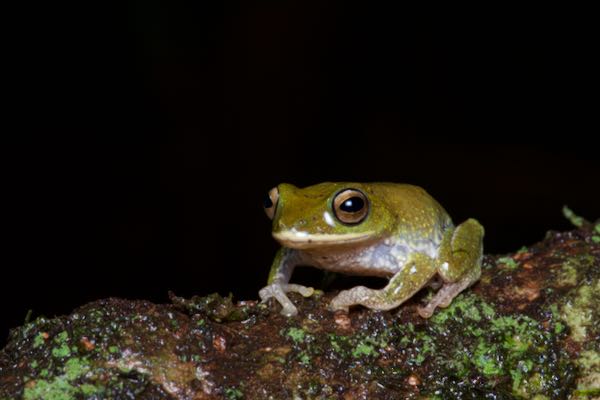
{"x": 300, "y": 240}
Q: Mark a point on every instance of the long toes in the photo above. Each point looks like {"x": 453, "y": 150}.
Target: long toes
{"x": 289, "y": 311}
{"x": 303, "y": 290}
{"x": 336, "y": 306}
{"x": 445, "y": 303}
{"x": 425, "y": 312}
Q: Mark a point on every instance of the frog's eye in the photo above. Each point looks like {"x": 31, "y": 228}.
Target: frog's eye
{"x": 270, "y": 202}
{"x": 350, "y": 206}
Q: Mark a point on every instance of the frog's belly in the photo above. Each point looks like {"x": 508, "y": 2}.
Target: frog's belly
{"x": 359, "y": 269}
{"x": 383, "y": 260}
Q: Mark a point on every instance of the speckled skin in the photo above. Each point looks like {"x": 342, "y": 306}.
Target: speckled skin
{"x": 407, "y": 236}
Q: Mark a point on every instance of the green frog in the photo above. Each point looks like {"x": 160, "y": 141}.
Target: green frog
{"x": 396, "y": 231}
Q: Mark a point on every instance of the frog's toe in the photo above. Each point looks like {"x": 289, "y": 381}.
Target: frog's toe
{"x": 336, "y": 306}
{"x": 445, "y": 295}
{"x": 340, "y": 302}
{"x": 426, "y": 312}
{"x": 289, "y": 310}
{"x": 303, "y": 290}
{"x": 266, "y": 293}
{"x": 278, "y": 291}
{"x": 437, "y": 301}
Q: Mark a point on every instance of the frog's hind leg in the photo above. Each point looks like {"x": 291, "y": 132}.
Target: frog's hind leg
{"x": 415, "y": 274}
{"x": 447, "y": 293}
{"x": 459, "y": 262}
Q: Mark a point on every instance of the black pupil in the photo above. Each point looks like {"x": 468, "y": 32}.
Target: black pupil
{"x": 352, "y": 205}
{"x": 267, "y": 202}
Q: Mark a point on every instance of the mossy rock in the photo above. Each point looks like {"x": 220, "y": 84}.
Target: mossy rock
{"x": 530, "y": 329}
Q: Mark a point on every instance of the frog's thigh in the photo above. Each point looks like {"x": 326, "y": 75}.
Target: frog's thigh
{"x": 415, "y": 273}
{"x": 459, "y": 263}
{"x": 460, "y": 252}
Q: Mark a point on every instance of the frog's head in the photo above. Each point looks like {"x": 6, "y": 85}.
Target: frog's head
{"x": 327, "y": 215}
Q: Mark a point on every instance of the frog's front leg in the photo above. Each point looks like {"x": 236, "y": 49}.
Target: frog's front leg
{"x": 416, "y": 273}
{"x": 278, "y": 284}
{"x": 459, "y": 263}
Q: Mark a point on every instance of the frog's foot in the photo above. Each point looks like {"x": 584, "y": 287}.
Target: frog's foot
{"x": 371, "y": 298}
{"x": 445, "y": 295}
{"x": 278, "y": 291}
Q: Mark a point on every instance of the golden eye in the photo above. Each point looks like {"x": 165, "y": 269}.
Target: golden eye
{"x": 350, "y": 206}
{"x": 270, "y": 202}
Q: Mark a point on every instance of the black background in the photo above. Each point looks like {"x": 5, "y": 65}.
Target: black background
{"x": 153, "y": 131}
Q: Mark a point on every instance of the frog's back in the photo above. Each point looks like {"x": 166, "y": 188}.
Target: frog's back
{"x": 414, "y": 210}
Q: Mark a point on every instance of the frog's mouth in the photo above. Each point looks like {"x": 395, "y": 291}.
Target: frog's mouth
{"x": 303, "y": 240}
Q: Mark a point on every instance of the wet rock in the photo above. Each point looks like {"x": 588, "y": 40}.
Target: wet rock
{"x": 529, "y": 329}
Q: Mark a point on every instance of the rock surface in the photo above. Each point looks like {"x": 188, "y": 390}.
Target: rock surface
{"x": 529, "y": 329}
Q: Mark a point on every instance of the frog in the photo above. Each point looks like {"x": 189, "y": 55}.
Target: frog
{"x": 382, "y": 229}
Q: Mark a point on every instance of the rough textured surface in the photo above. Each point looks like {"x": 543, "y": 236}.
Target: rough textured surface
{"x": 529, "y": 329}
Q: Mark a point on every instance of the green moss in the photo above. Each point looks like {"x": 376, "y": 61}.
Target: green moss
{"x": 488, "y": 311}
{"x": 61, "y": 337}
{"x": 304, "y": 358}
{"x": 61, "y": 387}
{"x": 113, "y": 349}
{"x": 363, "y": 349}
{"x": 509, "y": 262}
{"x": 233, "y": 393}
{"x": 578, "y": 312}
{"x": 530, "y": 387}
{"x": 62, "y": 351}
{"x": 567, "y": 275}
{"x": 485, "y": 359}
{"x": 38, "y": 340}
{"x": 296, "y": 334}
{"x": 57, "y": 389}
{"x": 464, "y": 307}
{"x": 587, "y": 394}
{"x": 496, "y": 346}
{"x": 518, "y": 333}
{"x": 589, "y": 364}
{"x": 88, "y": 390}
{"x": 215, "y": 307}
{"x": 590, "y": 360}
{"x": 76, "y": 367}
{"x": 572, "y": 217}
{"x": 596, "y": 239}
{"x": 517, "y": 374}
{"x": 338, "y": 343}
